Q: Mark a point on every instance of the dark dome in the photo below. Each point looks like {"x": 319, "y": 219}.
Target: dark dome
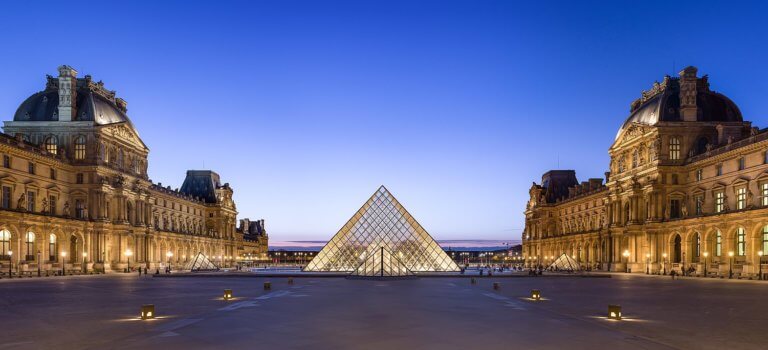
{"x": 662, "y": 103}
{"x": 93, "y": 103}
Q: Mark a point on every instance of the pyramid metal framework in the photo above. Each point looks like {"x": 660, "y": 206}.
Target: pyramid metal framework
{"x": 200, "y": 263}
{"x": 382, "y": 227}
{"x": 566, "y": 263}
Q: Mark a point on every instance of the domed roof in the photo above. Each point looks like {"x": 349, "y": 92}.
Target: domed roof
{"x": 93, "y": 103}
{"x": 662, "y": 104}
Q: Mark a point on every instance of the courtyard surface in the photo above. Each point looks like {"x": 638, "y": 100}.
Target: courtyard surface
{"x": 101, "y": 312}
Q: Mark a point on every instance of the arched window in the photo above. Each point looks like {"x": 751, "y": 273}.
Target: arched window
{"x": 52, "y": 247}
{"x": 765, "y": 239}
{"x": 718, "y": 243}
{"x": 29, "y": 242}
{"x": 741, "y": 242}
{"x": 674, "y": 148}
{"x": 80, "y": 147}
{"x": 52, "y": 144}
{"x": 678, "y": 257}
{"x": 5, "y": 244}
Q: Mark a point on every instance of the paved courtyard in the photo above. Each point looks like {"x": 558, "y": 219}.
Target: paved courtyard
{"x": 100, "y": 312}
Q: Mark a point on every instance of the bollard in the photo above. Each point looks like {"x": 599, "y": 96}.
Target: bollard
{"x": 227, "y": 294}
{"x": 267, "y": 285}
{"x": 614, "y": 312}
{"x": 147, "y": 311}
{"x": 496, "y": 286}
{"x": 535, "y": 294}
{"x": 290, "y": 280}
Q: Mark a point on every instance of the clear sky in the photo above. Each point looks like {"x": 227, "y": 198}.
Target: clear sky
{"x": 305, "y": 108}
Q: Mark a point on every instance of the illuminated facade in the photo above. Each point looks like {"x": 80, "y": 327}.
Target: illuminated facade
{"x": 74, "y": 190}
{"x": 382, "y": 238}
{"x": 687, "y": 190}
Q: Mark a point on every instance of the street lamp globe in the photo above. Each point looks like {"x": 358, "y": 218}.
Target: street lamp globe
{"x": 706, "y": 254}
{"x": 626, "y": 253}
{"x": 730, "y": 253}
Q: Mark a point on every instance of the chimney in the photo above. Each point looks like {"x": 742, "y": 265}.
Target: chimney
{"x": 67, "y": 93}
{"x": 688, "y": 110}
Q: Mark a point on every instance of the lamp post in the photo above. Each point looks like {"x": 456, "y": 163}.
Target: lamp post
{"x": 63, "y": 263}
{"x": 128, "y": 254}
{"x": 168, "y": 255}
{"x": 730, "y": 264}
{"x": 85, "y": 263}
{"x": 647, "y": 263}
{"x": 706, "y": 254}
{"x": 760, "y": 263}
{"x": 38, "y": 264}
{"x": 683, "y": 268}
{"x": 664, "y": 262}
{"x": 10, "y": 263}
{"x": 626, "y": 261}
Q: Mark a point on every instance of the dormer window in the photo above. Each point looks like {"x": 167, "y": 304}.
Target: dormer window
{"x": 674, "y": 148}
{"x": 52, "y": 144}
{"x": 80, "y": 148}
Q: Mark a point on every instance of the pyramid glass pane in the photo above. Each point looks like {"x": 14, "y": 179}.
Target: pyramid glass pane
{"x": 382, "y": 223}
{"x": 200, "y": 263}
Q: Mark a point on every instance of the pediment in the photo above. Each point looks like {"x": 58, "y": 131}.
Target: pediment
{"x": 631, "y": 133}
{"x": 125, "y": 133}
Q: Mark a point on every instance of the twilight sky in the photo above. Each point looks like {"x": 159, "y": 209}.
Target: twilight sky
{"x": 306, "y": 107}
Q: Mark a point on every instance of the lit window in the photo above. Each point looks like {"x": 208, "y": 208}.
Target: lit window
{"x": 52, "y": 247}
{"x": 52, "y": 145}
{"x": 718, "y": 243}
{"x": 30, "y": 245}
{"x": 719, "y": 202}
{"x": 699, "y": 174}
{"x": 5, "y": 244}
{"x": 741, "y": 198}
{"x": 674, "y": 148}
{"x": 765, "y": 239}
{"x": 80, "y": 148}
{"x": 764, "y": 193}
{"x": 741, "y": 242}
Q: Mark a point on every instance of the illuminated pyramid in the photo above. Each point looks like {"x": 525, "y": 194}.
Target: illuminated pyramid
{"x": 200, "y": 263}
{"x": 382, "y": 231}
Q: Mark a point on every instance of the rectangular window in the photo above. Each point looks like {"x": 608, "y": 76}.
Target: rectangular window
{"x": 674, "y": 148}
{"x": 79, "y": 212}
{"x": 79, "y": 178}
{"x": 764, "y": 194}
{"x": 765, "y": 239}
{"x": 53, "y": 174}
{"x": 6, "y": 197}
{"x": 699, "y": 205}
{"x": 699, "y": 174}
{"x": 31, "y": 168}
{"x": 719, "y": 202}
{"x": 742, "y": 163}
{"x": 741, "y": 242}
{"x": 31, "y": 201}
{"x": 719, "y": 169}
{"x": 52, "y": 205}
{"x": 741, "y": 198}
{"x": 674, "y": 179}
{"x": 6, "y": 161}
{"x": 674, "y": 212}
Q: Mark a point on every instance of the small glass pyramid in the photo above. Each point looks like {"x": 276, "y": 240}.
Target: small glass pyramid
{"x": 382, "y": 227}
{"x": 200, "y": 263}
{"x": 565, "y": 263}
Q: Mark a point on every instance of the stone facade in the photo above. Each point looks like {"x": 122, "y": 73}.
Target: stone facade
{"x": 74, "y": 189}
{"x": 687, "y": 190}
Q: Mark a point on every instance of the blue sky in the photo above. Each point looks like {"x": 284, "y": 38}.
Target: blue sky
{"x": 306, "y": 107}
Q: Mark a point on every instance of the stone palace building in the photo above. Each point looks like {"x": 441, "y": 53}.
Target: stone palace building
{"x": 687, "y": 189}
{"x": 74, "y": 190}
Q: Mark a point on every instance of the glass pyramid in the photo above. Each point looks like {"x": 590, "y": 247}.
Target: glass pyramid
{"x": 382, "y": 227}
{"x": 200, "y": 263}
{"x": 565, "y": 263}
